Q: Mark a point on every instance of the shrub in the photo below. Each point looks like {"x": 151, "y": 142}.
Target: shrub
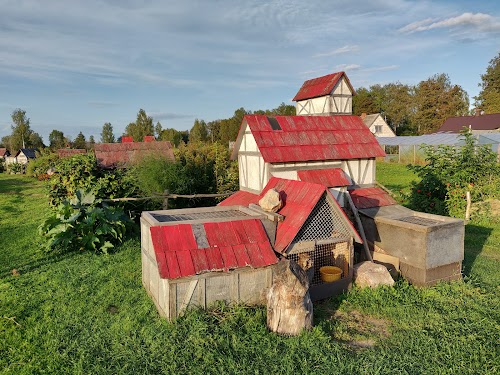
{"x": 82, "y": 172}
{"x": 449, "y": 173}
{"x": 85, "y": 223}
{"x": 42, "y": 164}
{"x": 200, "y": 168}
{"x": 16, "y": 168}
{"x": 2, "y": 165}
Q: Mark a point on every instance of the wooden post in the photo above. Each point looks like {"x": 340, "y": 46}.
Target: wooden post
{"x": 469, "y": 202}
{"x": 360, "y": 227}
{"x": 165, "y": 200}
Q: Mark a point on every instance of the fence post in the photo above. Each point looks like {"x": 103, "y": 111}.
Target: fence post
{"x": 165, "y": 200}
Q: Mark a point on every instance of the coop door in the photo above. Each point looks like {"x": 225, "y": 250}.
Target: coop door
{"x": 331, "y": 254}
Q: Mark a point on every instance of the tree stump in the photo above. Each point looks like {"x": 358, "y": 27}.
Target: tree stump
{"x": 289, "y": 306}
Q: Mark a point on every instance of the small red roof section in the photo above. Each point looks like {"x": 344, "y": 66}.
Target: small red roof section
{"x": 321, "y": 86}
{"x": 480, "y": 122}
{"x": 333, "y": 177}
{"x": 110, "y": 155}
{"x": 231, "y": 245}
{"x": 240, "y": 198}
{"x": 68, "y": 152}
{"x": 371, "y": 197}
{"x": 149, "y": 138}
{"x": 127, "y": 139}
{"x": 284, "y": 139}
{"x": 4, "y": 152}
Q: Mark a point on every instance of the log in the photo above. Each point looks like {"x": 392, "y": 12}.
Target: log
{"x": 289, "y": 306}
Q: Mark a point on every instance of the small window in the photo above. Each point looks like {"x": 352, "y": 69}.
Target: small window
{"x": 378, "y": 128}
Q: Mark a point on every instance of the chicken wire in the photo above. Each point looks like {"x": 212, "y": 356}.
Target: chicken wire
{"x": 323, "y": 223}
{"x": 331, "y": 254}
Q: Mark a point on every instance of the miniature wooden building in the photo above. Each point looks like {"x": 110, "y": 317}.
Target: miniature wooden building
{"x": 282, "y": 146}
{"x": 314, "y": 225}
{"x": 325, "y": 96}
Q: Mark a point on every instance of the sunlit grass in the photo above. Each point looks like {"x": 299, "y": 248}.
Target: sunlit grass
{"x": 86, "y": 313}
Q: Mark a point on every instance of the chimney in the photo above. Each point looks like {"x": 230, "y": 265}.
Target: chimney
{"x": 363, "y": 115}
{"x": 479, "y": 112}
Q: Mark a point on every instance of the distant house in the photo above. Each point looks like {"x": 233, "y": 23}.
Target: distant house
{"x": 477, "y": 124}
{"x": 4, "y": 153}
{"x": 325, "y": 96}
{"x": 68, "y": 152}
{"x": 377, "y": 125}
{"x": 24, "y": 155}
{"x": 112, "y": 155}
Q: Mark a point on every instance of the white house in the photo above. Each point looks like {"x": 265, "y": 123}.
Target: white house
{"x": 377, "y": 125}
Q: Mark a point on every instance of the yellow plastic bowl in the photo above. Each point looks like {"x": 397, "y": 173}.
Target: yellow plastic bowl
{"x": 330, "y": 273}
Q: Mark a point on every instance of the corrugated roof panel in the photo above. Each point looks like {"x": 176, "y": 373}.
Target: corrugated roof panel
{"x": 333, "y": 177}
{"x": 255, "y": 255}
{"x": 371, "y": 197}
{"x": 320, "y": 86}
{"x": 174, "y": 271}
{"x": 241, "y": 255}
{"x": 228, "y": 258}
{"x": 240, "y": 198}
{"x": 186, "y": 266}
{"x": 214, "y": 259}
{"x": 200, "y": 261}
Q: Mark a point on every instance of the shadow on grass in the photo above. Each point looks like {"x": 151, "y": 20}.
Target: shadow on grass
{"x": 13, "y": 185}
{"x": 475, "y": 239}
{"x": 35, "y": 264}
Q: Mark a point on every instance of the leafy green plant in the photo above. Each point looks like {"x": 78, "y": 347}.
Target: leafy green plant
{"x": 85, "y": 223}
{"x": 42, "y": 164}
{"x": 449, "y": 173}
{"x": 2, "y": 165}
{"x": 16, "y": 168}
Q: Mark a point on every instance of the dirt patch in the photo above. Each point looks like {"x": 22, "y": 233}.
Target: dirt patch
{"x": 359, "y": 330}
{"x": 495, "y": 207}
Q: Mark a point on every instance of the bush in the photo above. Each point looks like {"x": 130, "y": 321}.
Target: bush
{"x": 82, "y": 172}
{"x": 449, "y": 173}
{"x": 42, "y": 164}
{"x": 200, "y": 168}
{"x": 16, "y": 168}
{"x": 85, "y": 223}
{"x": 2, "y": 165}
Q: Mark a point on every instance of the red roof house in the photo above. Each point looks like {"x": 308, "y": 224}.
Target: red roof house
{"x": 283, "y": 145}
{"x": 328, "y": 95}
{"x": 478, "y": 124}
{"x": 4, "y": 152}
{"x": 111, "y": 155}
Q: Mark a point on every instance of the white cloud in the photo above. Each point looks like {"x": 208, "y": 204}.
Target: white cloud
{"x": 480, "y": 21}
{"x": 344, "y": 49}
{"x": 346, "y": 67}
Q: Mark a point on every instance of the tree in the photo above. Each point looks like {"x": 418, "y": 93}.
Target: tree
{"x": 80, "y": 141}
{"x": 141, "y": 127}
{"x": 399, "y": 107}
{"x": 158, "y": 129}
{"x": 199, "y": 132}
{"x": 107, "y": 135}
{"x": 363, "y": 102}
{"x": 172, "y": 135}
{"x": 489, "y": 98}
{"x": 91, "y": 142}
{"x": 36, "y": 141}
{"x": 21, "y": 130}
{"x": 57, "y": 139}
{"x": 436, "y": 99}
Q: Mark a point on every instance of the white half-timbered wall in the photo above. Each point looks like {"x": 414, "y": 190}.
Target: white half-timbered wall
{"x": 253, "y": 171}
{"x": 339, "y": 101}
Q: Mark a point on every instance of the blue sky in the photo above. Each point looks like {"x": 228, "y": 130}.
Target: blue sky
{"x": 74, "y": 65}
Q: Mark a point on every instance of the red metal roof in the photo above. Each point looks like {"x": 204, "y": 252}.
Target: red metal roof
{"x": 240, "y": 198}
{"x": 4, "y": 152}
{"x": 371, "y": 197}
{"x": 115, "y": 154}
{"x": 232, "y": 244}
{"x": 127, "y": 139}
{"x": 68, "y": 152}
{"x": 332, "y": 177}
{"x": 482, "y": 122}
{"x": 311, "y": 138}
{"x": 320, "y": 86}
{"x": 149, "y": 138}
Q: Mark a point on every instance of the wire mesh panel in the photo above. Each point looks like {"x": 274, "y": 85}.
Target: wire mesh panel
{"x": 331, "y": 254}
{"x": 198, "y": 215}
{"x": 323, "y": 223}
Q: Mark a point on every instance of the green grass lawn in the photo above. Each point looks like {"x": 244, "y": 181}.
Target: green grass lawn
{"x": 88, "y": 314}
